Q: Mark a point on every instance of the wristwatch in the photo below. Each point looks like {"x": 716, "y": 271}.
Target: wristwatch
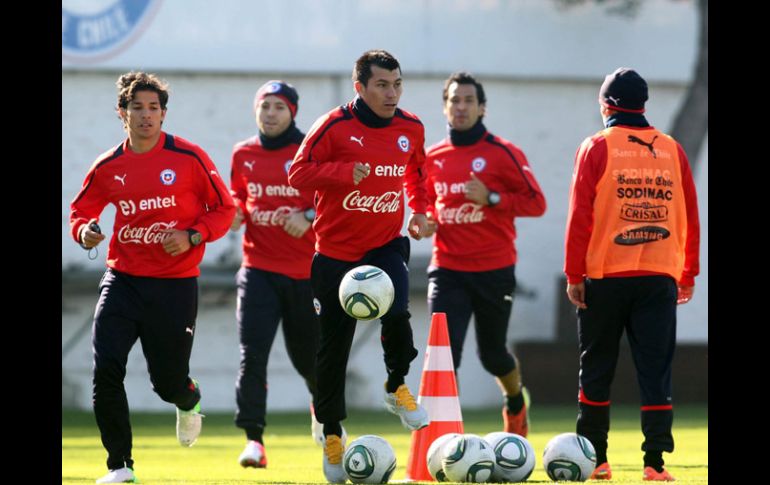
{"x": 310, "y": 214}
{"x": 493, "y": 198}
{"x": 195, "y": 237}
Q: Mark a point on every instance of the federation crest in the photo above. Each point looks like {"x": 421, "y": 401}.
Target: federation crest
{"x": 287, "y": 165}
{"x": 168, "y": 177}
{"x": 96, "y": 30}
{"x": 478, "y": 164}
{"x": 317, "y": 306}
{"x": 403, "y": 143}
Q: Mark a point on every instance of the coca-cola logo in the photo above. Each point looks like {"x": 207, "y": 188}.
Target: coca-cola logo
{"x": 145, "y": 235}
{"x": 467, "y": 213}
{"x": 387, "y": 202}
{"x": 274, "y": 217}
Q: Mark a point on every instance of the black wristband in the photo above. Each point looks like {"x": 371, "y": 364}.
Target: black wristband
{"x": 194, "y": 237}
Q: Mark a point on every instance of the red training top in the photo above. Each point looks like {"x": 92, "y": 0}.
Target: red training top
{"x": 353, "y": 219}
{"x": 472, "y": 237}
{"x": 261, "y": 188}
{"x": 174, "y": 185}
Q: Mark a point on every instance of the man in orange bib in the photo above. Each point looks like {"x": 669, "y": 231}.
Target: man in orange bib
{"x": 632, "y": 243}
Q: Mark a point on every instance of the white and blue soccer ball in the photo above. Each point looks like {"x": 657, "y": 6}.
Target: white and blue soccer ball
{"x": 468, "y": 458}
{"x": 369, "y": 459}
{"x": 570, "y": 457}
{"x": 366, "y": 292}
{"x": 435, "y": 454}
{"x": 514, "y": 456}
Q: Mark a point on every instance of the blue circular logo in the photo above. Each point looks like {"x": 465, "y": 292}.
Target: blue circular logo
{"x": 287, "y": 165}
{"x": 168, "y": 177}
{"x": 478, "y": 164}
{"x": 97, "y": 30}
{"x": 273, "y": 88}
{"x": 403, "y": 143}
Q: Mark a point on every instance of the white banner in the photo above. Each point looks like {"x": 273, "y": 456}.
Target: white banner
{"x": 526, "y": 38}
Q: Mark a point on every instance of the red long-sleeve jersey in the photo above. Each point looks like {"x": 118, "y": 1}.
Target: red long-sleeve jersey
{"x": 260, "y": 186}
{"x": 471, "y": 237}
{"x": 353, "y": 219}
{"x": 590, "y": 163}
{"x": 173, "y": 186}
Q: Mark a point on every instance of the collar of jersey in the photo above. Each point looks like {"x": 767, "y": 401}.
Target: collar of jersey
{"x": 289, "y": 136}
{"x": 467, "y": 137}
{"x": 365, "y": 114}
{"x": 158, "y": 147}
{"x": 627, "y": 119}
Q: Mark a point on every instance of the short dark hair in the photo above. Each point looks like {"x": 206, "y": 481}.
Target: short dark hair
{"x": 131, "y": 82}
{"x": 462, "y": 77}
{"x": 362, "y": 70}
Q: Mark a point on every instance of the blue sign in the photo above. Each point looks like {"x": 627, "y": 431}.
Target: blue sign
{"x": 89, "y": 36}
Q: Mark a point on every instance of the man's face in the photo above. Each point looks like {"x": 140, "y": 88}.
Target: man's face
{"x": 143, "y": 115}
{"x": 462, "y": 108}
{"x": 382, "y": 92}
{"x": 273, "y": 116}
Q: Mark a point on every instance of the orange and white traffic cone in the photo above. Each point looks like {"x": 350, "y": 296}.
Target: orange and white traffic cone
{"x": 438, "y": 395}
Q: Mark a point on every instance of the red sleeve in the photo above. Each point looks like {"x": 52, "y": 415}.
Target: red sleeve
{"x": 215, "y": 222}
{"x": 431, "y": 192}
{"x": 415, "y": 177}
{"x": 590, "y": 163}
{"x": 237, "y": 187}
{"x": 692, "y": 245}
{"x": 525, "y": 198}
{"x": 88, "y": 204}
{"x": 313, "y": 167}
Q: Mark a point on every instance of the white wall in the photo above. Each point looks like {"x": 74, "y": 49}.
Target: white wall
{"x": 523, "y": 38}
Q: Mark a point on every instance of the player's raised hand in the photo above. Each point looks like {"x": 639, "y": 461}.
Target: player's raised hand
{"x": 89, "y": 237}
{"x": 360, "y": 172}
{"x": 476, "y": 191}
{"x": 177, "y": 242}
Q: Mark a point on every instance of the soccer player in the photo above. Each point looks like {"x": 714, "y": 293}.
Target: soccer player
{"x": 478, "y": 183}
{"x": 170, "y": 201}
{"x": 358, "y": 158}
{"x": 278, "y": 245}
{"x": 631, "y": 256}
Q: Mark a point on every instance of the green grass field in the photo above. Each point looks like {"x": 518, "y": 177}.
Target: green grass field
{"x": 294, "y": 458}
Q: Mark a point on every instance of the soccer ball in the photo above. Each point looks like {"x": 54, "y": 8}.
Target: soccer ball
{"x": 468, "y": 458}
{"x": 369, "y": 459}
{"x": 434, "y": 456}
{"x": 366, "y": 292}
{"x": 514, "y": 456}
{"x": 569, "y": 456}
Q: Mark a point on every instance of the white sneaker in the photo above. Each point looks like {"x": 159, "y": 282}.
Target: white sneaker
{"x": 334, "y": 448}
{"x": 253, "y": 455}
{"x": 120, "y": 475}
{"x": 188, "y": 425}
{"x": 317, "y": 430}
{"x": 402, "y": 404}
